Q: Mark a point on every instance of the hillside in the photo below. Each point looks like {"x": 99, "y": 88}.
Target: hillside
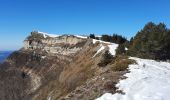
{"x": 59, "y": 67}
{"x": 72, "y": 67}
{"x": 4, "y": 55}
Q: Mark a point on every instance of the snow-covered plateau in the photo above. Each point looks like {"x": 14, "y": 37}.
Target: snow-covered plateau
{"x": 147, "y": 80}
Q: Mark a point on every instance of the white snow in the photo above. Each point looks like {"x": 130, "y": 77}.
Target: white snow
{"x": 99, "y": 36}
{"x": 112, "y": 48}
{"x": 147, "y": 80}
{"x": 98, "y": 51}
{"x": 54, "y": 35}
{"x": 43, "y": 57}
{"x": 46, "y": 34}
{"x": 83, "y": 37}
{"x": 94, "y": 41}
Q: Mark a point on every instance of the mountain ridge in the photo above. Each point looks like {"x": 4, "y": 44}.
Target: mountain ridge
{"x": 71, "y": 67}
{"x": 52, "y": 67}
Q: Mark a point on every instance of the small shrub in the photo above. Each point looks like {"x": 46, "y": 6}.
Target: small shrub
{"x": 122, "y": 63}
{"x": 97, "y": 38}
{"x": 92, "y": 36}
{"x": 35, "y": 36}
{"x": 110, "y": 85}
{"x": 120, "y": 50}
{"x": 107, "y": 58}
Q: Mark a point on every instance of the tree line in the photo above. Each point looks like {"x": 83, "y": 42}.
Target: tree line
{"x": 152, "y": 42}
{"x": 115, "y": 38}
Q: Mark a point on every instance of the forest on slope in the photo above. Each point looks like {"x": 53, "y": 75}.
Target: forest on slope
{"x": 152, "y": 42}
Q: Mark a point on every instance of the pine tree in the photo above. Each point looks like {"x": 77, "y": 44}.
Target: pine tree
{"x": 120, "y": 49}
{"x": 92, "y": 36}
{"x": 153, "y": 42}
{"x": 107, "y": 58}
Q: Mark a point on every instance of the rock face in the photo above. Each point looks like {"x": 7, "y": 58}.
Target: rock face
{"x": 38, "y": 64}
{"x": 65, "y": 44}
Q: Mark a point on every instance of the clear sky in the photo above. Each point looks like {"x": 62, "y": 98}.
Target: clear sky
{"x": 19, "y": 17}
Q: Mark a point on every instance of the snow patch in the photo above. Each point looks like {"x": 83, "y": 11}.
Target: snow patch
{"x": 147, "y": 80}
{"x": 43, "y": 57}
{"x": 94, "y": 41}
{"x": 48, "y": 35}
{"x": 83, "y": 37}
{"x": 109, "y": 96}
{"x": 98, "y": 51}
{"x": 112, "y": 48}
{"x": 54, "y": 35}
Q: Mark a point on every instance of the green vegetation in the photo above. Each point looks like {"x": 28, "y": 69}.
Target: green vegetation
{"x": 120, "y": 49}
{"x": 107, "y": 58}
{"x": 35, "y": 36}
{"x": 92, "y": 36}
{"x": 115, "y": 38}
{"x": 152, "y": 42}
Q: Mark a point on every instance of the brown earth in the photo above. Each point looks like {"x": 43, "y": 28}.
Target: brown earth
{"x": 38, "y": 75}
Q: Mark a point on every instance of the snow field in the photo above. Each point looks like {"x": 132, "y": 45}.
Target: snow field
{"x": 147, "y": 80}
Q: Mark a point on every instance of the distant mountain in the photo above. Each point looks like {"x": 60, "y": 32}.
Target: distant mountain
{"x": 4, "y": 55}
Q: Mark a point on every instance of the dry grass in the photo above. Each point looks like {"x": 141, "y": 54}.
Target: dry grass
{"x": 76, "y": 73}
{"x": 121, "y": 63}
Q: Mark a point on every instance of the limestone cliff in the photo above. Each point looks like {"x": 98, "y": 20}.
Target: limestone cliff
{"x": 52, "y": 67}
{"x": 65, "y": 44}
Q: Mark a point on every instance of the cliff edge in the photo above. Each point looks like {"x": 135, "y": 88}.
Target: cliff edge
{"x": 57, "y": 67}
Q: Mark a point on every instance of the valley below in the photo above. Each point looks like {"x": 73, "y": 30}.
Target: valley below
{"x": 4, "y": 55}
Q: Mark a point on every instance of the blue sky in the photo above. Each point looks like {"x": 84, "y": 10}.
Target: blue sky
{"x": 19, "y": 17}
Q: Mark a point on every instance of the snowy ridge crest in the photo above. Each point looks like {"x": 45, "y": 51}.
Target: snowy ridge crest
{"x": 147, "y": 80}
{"x": 112, "y": 47}
{"x": 55, "y": 35}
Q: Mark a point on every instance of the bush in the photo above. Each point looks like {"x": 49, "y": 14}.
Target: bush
{"x": 92, "y": 36}
{"x": 35, "y": 36}
{"x": 107, "y": 58}
{"x": 115, "y": 38}
{"x": 106, "y": 38}
{"x": 122, "y": 63}
{"x": 120, "y": 49}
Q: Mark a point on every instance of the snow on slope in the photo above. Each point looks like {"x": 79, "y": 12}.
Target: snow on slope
{"x": 79, "y": 36}
{"x": 98, "y": 51}
{"x": 54, "y": 35}
{"x": 46, "y": 34}
{"x": 94, "y": 41}
{"x": 147, "y": 80}
{"x": 112, "y": 47}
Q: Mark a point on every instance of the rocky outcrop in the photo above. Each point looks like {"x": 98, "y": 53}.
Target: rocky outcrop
{"x": 39, "y": 63}
{"x": 56, "y": 68}
{"x": 65, "y": 44}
